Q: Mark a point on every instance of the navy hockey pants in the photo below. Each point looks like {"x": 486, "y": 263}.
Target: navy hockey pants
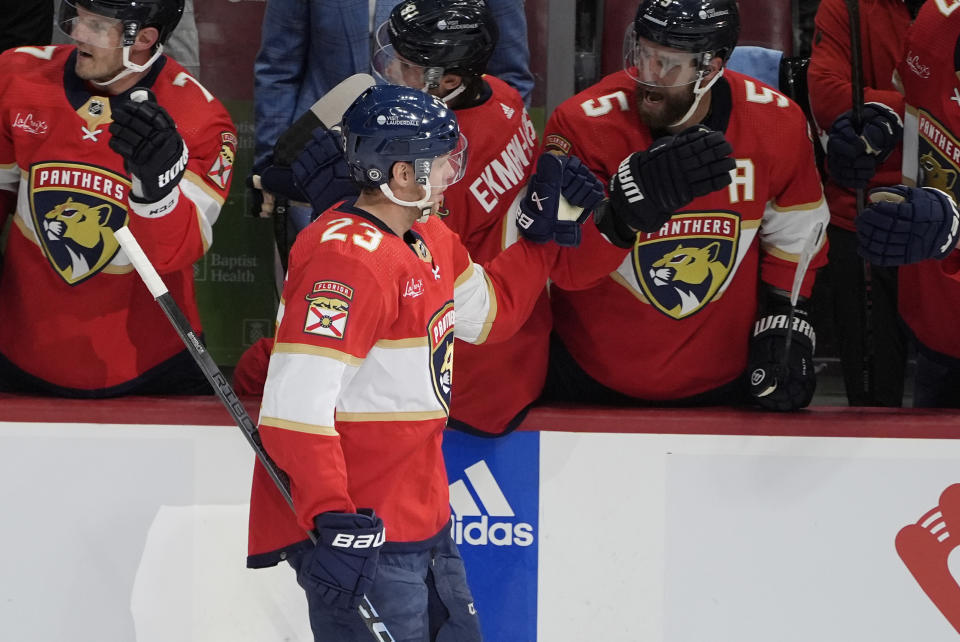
{"x": 421, "y": 597}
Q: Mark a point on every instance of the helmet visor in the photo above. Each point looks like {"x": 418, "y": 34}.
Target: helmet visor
{"x": 654, "y": 65}
{"x": 389, "y": 67}
{"x": 441, "y": 172}
{"x": 89, "y": 28}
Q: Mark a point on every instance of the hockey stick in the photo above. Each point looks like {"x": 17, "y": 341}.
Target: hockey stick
{"x": 810, "y": 246}
{"x": 856, "y": 79}
{"x": 227, "y": 396}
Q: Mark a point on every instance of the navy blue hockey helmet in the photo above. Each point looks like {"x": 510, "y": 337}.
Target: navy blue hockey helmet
{"x": 696, "y": 26}
{"x": 163, "y": 15}
{"x": 388, "y": 124}
{"x": 452, "y": 36}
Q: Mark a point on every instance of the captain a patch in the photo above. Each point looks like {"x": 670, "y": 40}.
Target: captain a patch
{"x": 682, "y": 266}
{"x": 329, "y": 309}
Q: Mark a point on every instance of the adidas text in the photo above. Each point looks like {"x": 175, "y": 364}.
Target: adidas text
{"x": 482, "y": 533}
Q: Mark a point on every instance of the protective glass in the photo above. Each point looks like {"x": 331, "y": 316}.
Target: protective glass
{"x": 443, "y": 171}
{"x": 391, "y": 68}
{"x": 654, "y": 65}
{"x": 89, "y": 28}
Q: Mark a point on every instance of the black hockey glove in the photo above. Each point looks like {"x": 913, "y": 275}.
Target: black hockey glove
{"x": 852, "y": 158}
{"x": 651, "y": 185}
{"x": 341, "y": 568}
{"x": 153, "y": 152}
{"x": 320, "y": 172}
{"x": 904, "y": 224}
{"x": 775, "y": 383}
{"x": 560, "y": 196}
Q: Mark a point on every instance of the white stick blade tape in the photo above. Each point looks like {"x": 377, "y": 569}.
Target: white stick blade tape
{"x": 329, "y": 109}
{"x": 141, "y": 263}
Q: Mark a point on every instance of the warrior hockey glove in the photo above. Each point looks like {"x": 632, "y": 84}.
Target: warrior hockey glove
{"x": 651, "y": 185}
{"x": 852, "y": 158}
{"x": 907, "y": 224}
{"x": 560, "y": 196}
{"x": 320, "y": 171}
{"x": 341, "y": 568}
{"x": 154, "y": 154}
{"x": 777, "y": 383}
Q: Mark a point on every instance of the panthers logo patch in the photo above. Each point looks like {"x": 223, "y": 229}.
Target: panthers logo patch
{"x": 75, "y": 209}
{"x": 329, "y": 309}
{"x": 683, "y": 265}
{"x": 440, "y": 331}
{"x": 938, "y": 156}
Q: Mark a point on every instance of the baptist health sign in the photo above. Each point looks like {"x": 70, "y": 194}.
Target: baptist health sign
{"x": 494, "y": 498}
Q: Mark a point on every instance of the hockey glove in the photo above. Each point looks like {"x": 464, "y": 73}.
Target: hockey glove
{"x": 852, "y": 158}
{"x": 560, "y": 196}
{"x": 341, "y": 568}
{"x": 153, "y": 152}
{"x": 651, "y": 185}
{"x": 320, "y": 171}
{"x": 904, "y": 224}
{"x": 778, "y": 383}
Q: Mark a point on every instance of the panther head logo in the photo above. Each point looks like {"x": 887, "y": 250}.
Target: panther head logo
{"x": 933, "y": 174}
{"x": 694, "y": 273}
{"x": 83, "y": 232}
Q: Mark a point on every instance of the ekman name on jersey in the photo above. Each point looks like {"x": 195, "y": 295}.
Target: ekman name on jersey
{"x": 467, "y": 529}
{"x": 506, "y": 171}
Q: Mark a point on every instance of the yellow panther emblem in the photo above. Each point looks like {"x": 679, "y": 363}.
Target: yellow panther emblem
{"x": 695, "y": 273}
{"x": 83, "y": 231}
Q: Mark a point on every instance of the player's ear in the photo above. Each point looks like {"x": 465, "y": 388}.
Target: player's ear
{"x": 402, "y": 173}
{"x": 716, "y": 64}
{"x": 146, "y": 39}
{"x": 449, "y": 82}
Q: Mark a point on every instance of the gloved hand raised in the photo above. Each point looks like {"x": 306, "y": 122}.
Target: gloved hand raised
{"x": 651, "y": 185}
{"x": 852, "y": 157}
{"x": 320, "y": 172}
{"x": 342, "y": 566}
{"x": 903, "y": 224}
{"x": 154, "y": 154}
{"x": 560, "y": 196}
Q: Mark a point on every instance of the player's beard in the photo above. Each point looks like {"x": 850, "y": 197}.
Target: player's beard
{"x": 662, "y": 108}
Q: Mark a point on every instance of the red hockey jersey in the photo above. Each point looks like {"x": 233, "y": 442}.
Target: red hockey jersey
{"x": 882, "y": 31}
{"x": 673, "y": 318}
{"x": 490, "y": 392}
{"x": 72, "y": 310}
{"x": 930, "y": 291}
{"x": 359, "y": 382}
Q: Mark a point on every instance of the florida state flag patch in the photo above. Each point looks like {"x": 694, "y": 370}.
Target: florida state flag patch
{"x": 223, "y": 165}
{"x": 329, "y": 309}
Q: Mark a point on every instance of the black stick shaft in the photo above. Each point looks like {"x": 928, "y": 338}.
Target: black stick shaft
{"x": 226, "y": 395}
{"x": 856, "y": 80}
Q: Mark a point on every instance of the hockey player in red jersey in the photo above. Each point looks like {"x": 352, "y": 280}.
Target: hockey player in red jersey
{"x": 718, "y": 170}
{"x": 360, "y": 377}
{"x": 442, "y": 47}
{"x": 80, "y": 159}
{"x": 916, "y": 225}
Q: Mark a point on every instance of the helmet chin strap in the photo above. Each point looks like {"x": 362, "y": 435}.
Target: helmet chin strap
{"x": 131, "y": 67}
{"x": 424, "y": 204}
{"x": 698, "y": 93}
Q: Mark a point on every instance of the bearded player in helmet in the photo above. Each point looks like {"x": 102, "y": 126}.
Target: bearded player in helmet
{"x": 714, "y": 193}
{"x": 98, "y": 135}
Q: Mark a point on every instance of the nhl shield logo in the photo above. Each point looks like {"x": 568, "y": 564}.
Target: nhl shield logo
{"x": 75, "y": 209}
{"x": 329, "y": 309}
{"x": 683, "y": 265}
{"x": 440, "y": 331}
